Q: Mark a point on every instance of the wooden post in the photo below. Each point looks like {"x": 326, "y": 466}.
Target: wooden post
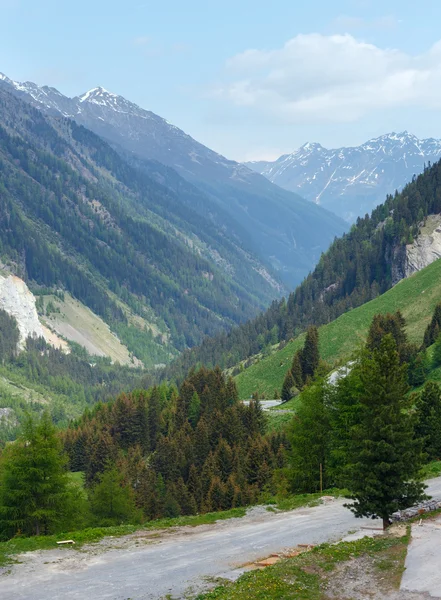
{"x": 321, "y": 478}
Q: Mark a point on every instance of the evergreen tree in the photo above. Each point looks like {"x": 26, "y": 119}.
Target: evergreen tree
{"x": 384, "y": 457}
{"x": 310, "y": 356}
{"x": 433, "y": 328}
{"x": 154, "y": 417}
{"x": 287, "y": 387}
{"x": 429, "y": 419}
{"x": 194, "y": 410}
{"x": 310, "y": 438}
{"x": 112, "y": 502}
{"x": 33, "y": 489}
{"x": 296, "y": 370}
{"x": 436, "y": 356}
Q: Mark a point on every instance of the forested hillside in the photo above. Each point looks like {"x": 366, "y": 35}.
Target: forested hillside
{"x": 357, "y": 268}
{"x": 76, "y": 216}
{"x": 416, "y": 299}
{"x": 282, "y": 229}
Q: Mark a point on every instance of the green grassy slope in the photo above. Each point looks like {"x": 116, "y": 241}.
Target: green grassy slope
{"x": 416, "y": 297}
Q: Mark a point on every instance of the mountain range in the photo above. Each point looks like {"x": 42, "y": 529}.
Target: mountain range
{"x": 352, "y": 181}
{"x": 76, "y": 217}
{"x": 282, "y": 229}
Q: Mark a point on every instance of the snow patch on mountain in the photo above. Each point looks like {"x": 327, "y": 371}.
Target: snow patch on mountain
{"x": 352, "y": 181}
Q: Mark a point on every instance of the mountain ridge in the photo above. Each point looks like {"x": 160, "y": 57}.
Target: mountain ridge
{"x": 285, "y": 231}
{"x": 352, "y": 180}
{"x": 76, "y": 216}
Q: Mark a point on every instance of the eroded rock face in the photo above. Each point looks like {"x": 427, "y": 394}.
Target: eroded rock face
{"x": 406, "y": 260}
{"x": 19, "y": 302}
{"x": 426, "y": 248}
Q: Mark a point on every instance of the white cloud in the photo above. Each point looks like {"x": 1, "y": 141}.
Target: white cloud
{"x": 332, "y": 78}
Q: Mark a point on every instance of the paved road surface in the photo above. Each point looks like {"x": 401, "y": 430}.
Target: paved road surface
{"x": 423, "y": 561}
{"x": 176, "y": 561}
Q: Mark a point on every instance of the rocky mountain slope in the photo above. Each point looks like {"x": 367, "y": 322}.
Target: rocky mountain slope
{"x": 18, "y": 301}
{"x": 280, "y": 227}
{"x": 352, "y": 181}
{"x": 75, "y": 216}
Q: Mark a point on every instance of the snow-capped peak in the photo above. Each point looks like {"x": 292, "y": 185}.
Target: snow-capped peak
{"x": 98, "y": 92}
{"x": 353, "y": 180}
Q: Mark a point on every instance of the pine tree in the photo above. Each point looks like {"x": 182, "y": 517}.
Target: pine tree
{"x": 224, "y": 459}
{"x": 429, "y": 419}
{"x": 310, "y": 356}
{"x": 34, "y": 482}
{"x": 216, "y": 496}
{"x": 384, "y": 456}
{"x": 296, "y": 370}
{"x": 436, "y": 356}
{"x": 288, "y": 384}
{"x": 201, "y": 443}
{"x": 310, "y": 438}
{"x": 154, "y": 417}
{"x": 433, "y": 328}
{"x": 231, "y": 392}
{"x": 194, "y": 410}
{"x": 112, "y": 502}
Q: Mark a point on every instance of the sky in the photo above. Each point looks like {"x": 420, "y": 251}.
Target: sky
{"x": 250, "y": 79}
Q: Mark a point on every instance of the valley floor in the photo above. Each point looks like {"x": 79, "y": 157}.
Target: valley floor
{"x": 152, "y": 565}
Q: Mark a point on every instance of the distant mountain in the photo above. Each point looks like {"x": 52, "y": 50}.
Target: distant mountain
{"x": 157, "y": 264}
{"x": 352, "y": 181}
{"x": 281, "y": 228}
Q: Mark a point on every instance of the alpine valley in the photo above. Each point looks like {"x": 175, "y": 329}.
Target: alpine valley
{"x": 352, "y": 181}
{"x": 283, "y": 230}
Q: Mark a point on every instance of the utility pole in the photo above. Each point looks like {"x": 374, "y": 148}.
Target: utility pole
{"x": 321, "y": 478}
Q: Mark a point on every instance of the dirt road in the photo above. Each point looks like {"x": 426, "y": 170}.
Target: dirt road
{"x": 152, "y": 565}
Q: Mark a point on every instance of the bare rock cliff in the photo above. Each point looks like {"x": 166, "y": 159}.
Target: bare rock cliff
{"x": 426, "y": 248}
{"x": 19, "y": 302}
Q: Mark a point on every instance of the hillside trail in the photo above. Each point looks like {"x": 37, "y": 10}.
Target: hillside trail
{"x": 153, "y": 564}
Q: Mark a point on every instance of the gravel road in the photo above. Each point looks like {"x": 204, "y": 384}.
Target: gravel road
{"x": 151, "y": 565}
{"x": 423, "y": 561}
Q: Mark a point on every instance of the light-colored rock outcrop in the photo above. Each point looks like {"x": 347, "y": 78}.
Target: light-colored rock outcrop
{"x": 426, "y": 248}
{"x": 18, "y": 301}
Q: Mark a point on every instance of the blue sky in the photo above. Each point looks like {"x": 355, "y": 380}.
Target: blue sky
{"x": 250, "y": 79}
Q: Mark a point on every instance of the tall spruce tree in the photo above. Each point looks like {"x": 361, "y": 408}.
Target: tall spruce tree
{"x": 154, "y": 417}
{"x": 34, "y": 483}
{"x": 429, "y": 419}
{"x": 384, "y": 457}
{"x": 310, "y": 437}
{"x": 287, "y": 386}
{"x": 296, "y": 370}
{"x": 310, "y": 356}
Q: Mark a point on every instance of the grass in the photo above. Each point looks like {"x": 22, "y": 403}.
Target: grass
{"x": 300, "y": 500}
{"x": 416, "y": 297}
{"x": 307, "y": 576}
{"x": 432, "y": 469}
{"x": 277, "y": 421}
